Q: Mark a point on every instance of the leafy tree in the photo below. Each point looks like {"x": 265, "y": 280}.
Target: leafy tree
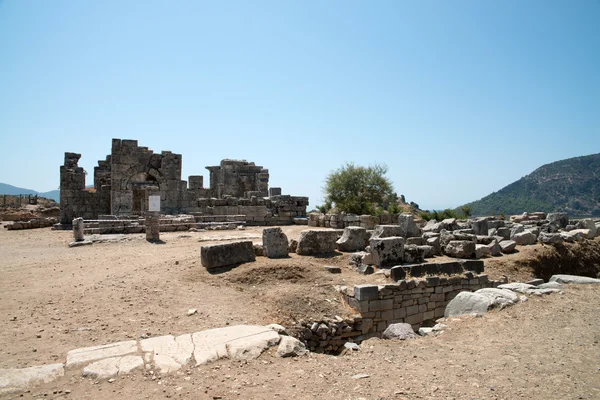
{"x": 359, "y": 190}
{"x": 466, "y": 210}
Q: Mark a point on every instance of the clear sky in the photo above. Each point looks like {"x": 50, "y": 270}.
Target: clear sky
{"x": 458, "y": 98}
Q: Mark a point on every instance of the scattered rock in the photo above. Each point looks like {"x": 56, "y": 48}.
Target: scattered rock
{"x": 354, "y": 238}
{"x": 192, "y": 311}
{"x": 332, "y": 269}
{"x": 360, "y": 376}
{"x": 551, "y": 285}
{"x": 400, "y": 331}
{"x": 499, "y": 297}
{"x": 351, "y": 346}
{"x": 290, "y": 347}
{"x": 516, "y": 287}
{"x": 508, "y": 246}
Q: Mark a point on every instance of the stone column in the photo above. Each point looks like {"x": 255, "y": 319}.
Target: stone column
{"x": 78, "y": 229}
{"x": 152, "y": 226}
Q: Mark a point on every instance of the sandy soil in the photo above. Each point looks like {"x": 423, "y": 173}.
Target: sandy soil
{"x": 54, "y": 299}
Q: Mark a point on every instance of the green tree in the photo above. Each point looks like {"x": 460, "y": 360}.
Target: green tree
{"x": 466, "y": 210}
{"x": 359, "y": 190}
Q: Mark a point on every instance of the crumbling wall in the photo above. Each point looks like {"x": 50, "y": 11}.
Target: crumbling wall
{"x": 237, "y": 178}
{"x": 75, "y": 200}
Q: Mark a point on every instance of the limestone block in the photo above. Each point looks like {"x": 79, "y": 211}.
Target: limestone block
{"x": 508, "y": 246}
{"x": 408, "y": 227}
{"x": 460, "y": 249}
{"x": 525, "y": 238}
{"x": 18, "y": 379}
{"x": 384, "y": 231}
{"x": 169, "y": 353}
{"x": 110, "y": 367}
{"x": 479, "y": 226}
{"x": 316, "y": 242}
{"x": 227, "y": 254}
{"x": 275, "y": 243}
{"x": 387, "y": 251}
{"x": 354, "y": 238}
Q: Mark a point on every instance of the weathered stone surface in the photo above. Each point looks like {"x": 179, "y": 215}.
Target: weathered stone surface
{"x": 110, "y": 367}
{"x": 290, "y": 347}
{"x": 550, "y": 285}
{"x": 434, "y": 226}
{"x": 169, "y": 353}
{"x": 434, "y": 242}
{"x": 479, "y": 226}
{"x": 482, "y": 250}
{"x": 239, "y": 342}
{"x": 575, "y": 235}
{"x": 574, "y": 279}
{"x": 78, "y": 230}
{"x": 397, "y": 273}
{"x": 89, "y": 354}
{"x": 499, "y": 297}
{"x": 467, "y": 303}
{"x": 293, "y": 246}
{"x": 408, "y": 227}
{"x": 525, "y": 238}
{"x": 17, "y": 379}
{"x": 508, "y": 246}
{"x": 226, "y": 254}
{"x": 428, "y": 251}
{"x": 387, "y": 251}
{"x": 417, "y": 241}
{"x": 354, "y": 238}
{"x": 535, "y": 282}
{"x": 385, "y": 231}
{"x": 550, "y": 238}
{"x": 561, "y": 219}
{"x": 275, "y": 243}
{"x": 413, "y": 254}
{"x": 399, "y": 331}
{"x": 317, "y": 242}
{"x": 516, "y": 287}
{"x": 460, "y": 249}
{"x": 495, "y": 249}
{"x": 332, "y": 269}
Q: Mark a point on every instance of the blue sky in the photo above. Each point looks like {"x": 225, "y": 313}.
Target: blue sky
{"x": 458, "y": 98}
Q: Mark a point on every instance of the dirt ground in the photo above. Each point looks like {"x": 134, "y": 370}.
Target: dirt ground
{"x": 54, "y": 299}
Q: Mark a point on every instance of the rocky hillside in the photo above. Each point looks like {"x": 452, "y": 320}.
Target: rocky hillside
{"x": 571, "y": 185}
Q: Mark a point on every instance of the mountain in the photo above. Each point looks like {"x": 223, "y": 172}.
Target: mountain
{"x": 571, "y": 185}
{"x": 13, "y": 190}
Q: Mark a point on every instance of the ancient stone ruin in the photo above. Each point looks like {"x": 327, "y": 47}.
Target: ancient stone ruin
{"x": 127, "y": 177}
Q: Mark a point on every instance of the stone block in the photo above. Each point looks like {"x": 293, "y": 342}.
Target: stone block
{"x": 460, "y": 249}
{"x": 354, "y": 238}
{"x": 387, "y": 251}
{"x": 275, "y": 243}
{"x": 397, "y": 273}
{"x": 366, "y": 292}
{"x": 384, "y": 231}
{"x": 476, "y": 266}
{"x": 227, "y": 254}
{"x": 317, "y": 242}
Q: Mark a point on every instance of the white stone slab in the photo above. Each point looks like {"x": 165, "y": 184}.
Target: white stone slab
{"x": 90, "y": 354}
{"x": 17, "y": 379}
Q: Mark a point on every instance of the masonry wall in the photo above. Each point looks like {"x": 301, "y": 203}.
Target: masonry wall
{"x": 415, "y": 302}
{"x": 343, "y": 220}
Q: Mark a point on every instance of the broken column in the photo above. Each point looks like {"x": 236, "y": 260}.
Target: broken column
{"x": 152, "y": 226}
{"x": 78, "y": 229}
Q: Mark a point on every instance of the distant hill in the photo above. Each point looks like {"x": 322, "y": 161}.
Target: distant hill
{"x": 13, "y": 190}
{"x": 571, "y": 185}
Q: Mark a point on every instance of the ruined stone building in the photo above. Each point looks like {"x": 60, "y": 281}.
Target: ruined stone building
{"x": 125, "y": 179}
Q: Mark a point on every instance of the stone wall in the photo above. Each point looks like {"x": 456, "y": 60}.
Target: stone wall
{"x": 343, "y": 220}
{"x": 415, "y": 302}
{"x": 32, "y": 223}
{"x": 126, "y": 178}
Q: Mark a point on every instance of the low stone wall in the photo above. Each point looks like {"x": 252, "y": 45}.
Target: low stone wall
{"x": 108, "y": 226}
{"x": 415, "y": 302}
{"x": 31, "y": 224}
{"x": 257, "y": 211}
{"x": 343, "y": 220}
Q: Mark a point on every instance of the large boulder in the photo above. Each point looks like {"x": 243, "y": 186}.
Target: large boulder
{"x": 227, "y": 254}
{"x": 495, "y": 249}
{"x": 461, "y": 249}
{"x": 290, "y": 347}
{"x": 467, "y": 303}
{"x": 354, "y": 238}
{"x": 479, "y": 226}
{"x": 408, "y": 227}
{"x": 399, "y": 331}
{"x": 387, "y": 251}
{"x": 316, "y": 242}
{"x": 574, "y": 279}
{"x": 525, "y": 238}
{"x": 414, "y": 254}
{"x": 275, "y": 243}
